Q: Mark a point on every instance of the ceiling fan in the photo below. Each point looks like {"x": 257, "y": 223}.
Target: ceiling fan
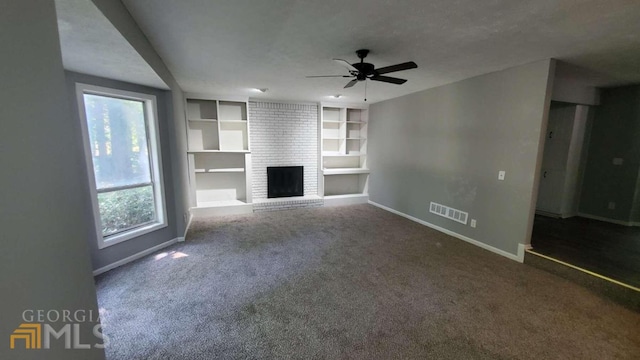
{"x": 362, "y": 71}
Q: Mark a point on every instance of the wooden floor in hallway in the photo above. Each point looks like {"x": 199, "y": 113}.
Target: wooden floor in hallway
{"x": 607, "y": 249}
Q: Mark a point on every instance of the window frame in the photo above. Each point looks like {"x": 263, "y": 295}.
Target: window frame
{"x": 155, "y": 159}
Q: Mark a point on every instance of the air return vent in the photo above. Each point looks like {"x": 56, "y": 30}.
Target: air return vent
{"x": 449, "y": 213}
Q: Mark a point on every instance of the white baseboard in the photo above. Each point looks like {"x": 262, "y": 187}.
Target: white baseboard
{"x": 519, "y": 257}
{"x": 613, "y": 221}
{"x": 136, "y": 256}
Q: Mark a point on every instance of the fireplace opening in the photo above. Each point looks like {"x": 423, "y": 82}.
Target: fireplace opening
{"x": 284, "y": 181}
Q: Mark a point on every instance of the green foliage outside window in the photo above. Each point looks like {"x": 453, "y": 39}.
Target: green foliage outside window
{"x": 124, "y": 209}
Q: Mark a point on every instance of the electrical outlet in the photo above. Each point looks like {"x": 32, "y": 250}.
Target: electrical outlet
{"x": 473, "y": 223}
{"x": 186, "y": 217}
{"x": 612, "y": 205}
{"x": 501, "y": 174}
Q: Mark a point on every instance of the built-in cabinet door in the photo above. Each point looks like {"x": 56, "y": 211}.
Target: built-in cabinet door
{"x": 550, "y": 193}
{"x": 554, "y": 161}
{"x": 558, "y": 137}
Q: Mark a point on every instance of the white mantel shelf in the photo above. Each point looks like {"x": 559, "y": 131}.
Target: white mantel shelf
{"x": 345, "y": 171}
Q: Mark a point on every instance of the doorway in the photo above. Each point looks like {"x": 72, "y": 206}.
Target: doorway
{"x": 586, "y": 175}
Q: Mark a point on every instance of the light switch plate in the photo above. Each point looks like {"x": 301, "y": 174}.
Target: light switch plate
{"x": 473, "y": 223}
{"x": 501, "y": 174}
{"x": 618, "y": 161}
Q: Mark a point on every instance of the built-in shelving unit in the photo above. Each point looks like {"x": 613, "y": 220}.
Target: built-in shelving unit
{"x": 219, "y": 156}
{"x": 345, "y": 175}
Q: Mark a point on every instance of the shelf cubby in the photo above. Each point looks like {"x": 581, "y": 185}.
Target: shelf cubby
{"x": 331, "y": 114}
{"x": 354, "y": 115}
{"x": 234, "y": 135}
{"x": 202, "y": 126}
{"x": 220, "y": 187}
{"x": 219, "y": 162}
{"x": 201, "y": 110}
{"x": 345, "y": 184}
{"x": 232, "y": 110}
{"x": 338, "y": 162}
{"x": 203, "y": 135}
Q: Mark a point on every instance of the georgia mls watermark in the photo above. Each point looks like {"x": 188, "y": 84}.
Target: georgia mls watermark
{"x": 42, "y": 327}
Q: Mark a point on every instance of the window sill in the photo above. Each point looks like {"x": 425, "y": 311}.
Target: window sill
{"x": 116, "y": 239}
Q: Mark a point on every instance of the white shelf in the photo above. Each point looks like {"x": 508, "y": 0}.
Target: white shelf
{"x": 345, "y": 171}
{"x": 233, "y": 121}
{"x": 218, "y": 151}
{"x": 220, "y": 203}
{"x": 213, "y": 171}
{"x": 356, "y": 122}
{"x": 333, "y": 121}
{"x": 356, "y": 138}
{"x": 345, "y": 196}
{"x": 203, "y": 120}
{"x": 340, "y": 155}
{"x": 332, "y": 138}
{"x": 221, "y": 208}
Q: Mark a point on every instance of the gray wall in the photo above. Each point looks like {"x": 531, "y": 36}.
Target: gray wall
{"x": 448, "y": 143}
{"x": 111, "y": 254}
{"x": 44, "y": 262}
{"x": 615, "y": 134}
{"x": 119, "y": 16}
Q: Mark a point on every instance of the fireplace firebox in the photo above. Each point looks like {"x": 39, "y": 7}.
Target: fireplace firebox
{"x": 284, "y": 181}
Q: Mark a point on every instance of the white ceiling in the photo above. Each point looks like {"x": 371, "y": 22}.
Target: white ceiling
{"x": 91, "y": 45}
{"x": 228, "y": 47}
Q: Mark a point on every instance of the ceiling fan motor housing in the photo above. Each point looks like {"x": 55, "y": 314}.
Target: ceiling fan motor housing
{"x": 364, "y": 70}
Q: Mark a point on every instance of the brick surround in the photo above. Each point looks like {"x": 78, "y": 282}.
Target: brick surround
{"x": 283, "y": 135}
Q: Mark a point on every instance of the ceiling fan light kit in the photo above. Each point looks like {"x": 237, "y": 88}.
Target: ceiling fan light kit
{"x": 363, "y": 71}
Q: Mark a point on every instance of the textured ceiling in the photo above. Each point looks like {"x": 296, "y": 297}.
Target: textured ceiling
{"x": 230, "y": 46}
{"x": 91, "y": 45}
{"x": 227, "y": 47}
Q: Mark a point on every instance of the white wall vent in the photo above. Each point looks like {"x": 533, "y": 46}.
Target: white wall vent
{"x": 449, "y": 213}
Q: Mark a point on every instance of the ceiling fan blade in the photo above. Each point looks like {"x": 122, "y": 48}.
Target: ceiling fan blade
{"x": 389, "y": 79}
{"x": 351, "y": 83}
{"x": 397, "y": 67}
{"x": 346, "y": 64}
{"x": 324, "y": 76}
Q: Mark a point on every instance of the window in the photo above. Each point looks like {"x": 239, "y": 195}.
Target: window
{"x": 122, "y": 150}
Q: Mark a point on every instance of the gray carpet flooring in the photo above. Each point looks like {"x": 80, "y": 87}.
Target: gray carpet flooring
{"x": 350, "y": 282}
